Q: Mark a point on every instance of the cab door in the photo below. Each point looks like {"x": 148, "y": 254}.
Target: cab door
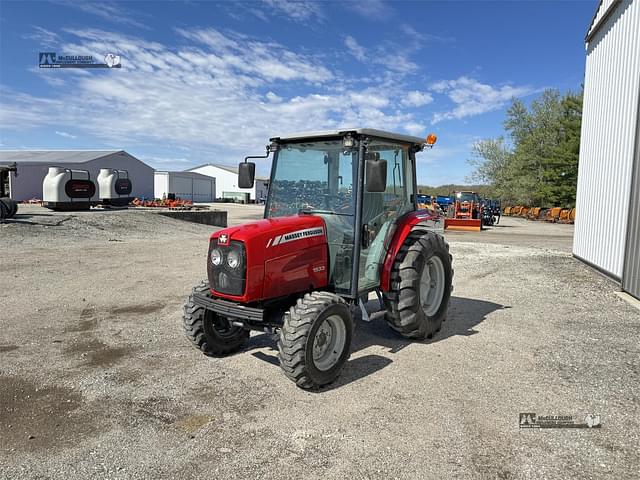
{"x": 380, "y": 210}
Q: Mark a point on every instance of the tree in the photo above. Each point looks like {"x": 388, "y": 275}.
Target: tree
{"x": 537, "y": 163}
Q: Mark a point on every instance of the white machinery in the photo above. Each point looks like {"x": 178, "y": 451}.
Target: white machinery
{"x": 114, "y": 187}
{"x": 66, "y": 189}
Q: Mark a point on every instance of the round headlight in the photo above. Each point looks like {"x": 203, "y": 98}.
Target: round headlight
{"x": 233, "y": 259}
{"x": 216, "y": 257}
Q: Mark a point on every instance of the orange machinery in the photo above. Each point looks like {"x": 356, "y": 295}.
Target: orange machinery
{"x": 466, "y": 212}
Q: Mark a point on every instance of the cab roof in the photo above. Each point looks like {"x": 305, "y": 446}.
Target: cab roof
{"x": 372, "y": 132}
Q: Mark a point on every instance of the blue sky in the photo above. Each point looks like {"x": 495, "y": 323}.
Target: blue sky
{"x": 212, "y": 81}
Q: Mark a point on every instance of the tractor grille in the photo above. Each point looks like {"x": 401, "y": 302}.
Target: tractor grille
{"x": 224, "y": 278}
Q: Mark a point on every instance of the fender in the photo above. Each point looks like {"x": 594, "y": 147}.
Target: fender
{"x": 415, "y": 220}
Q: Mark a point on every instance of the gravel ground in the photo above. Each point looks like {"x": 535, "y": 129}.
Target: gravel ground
{"x": 98, "y": 381}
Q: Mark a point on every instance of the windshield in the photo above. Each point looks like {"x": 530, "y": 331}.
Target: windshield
{"x": 314, "y": 177}
{"x": 467, "y": 197}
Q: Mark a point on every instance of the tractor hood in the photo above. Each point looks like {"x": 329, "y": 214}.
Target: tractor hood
{"x": 283, "y": 256}
{"x": 275, "y": 236}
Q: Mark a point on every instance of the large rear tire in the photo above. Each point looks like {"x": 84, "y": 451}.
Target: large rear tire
{"x": 208, "y": 331}
{"x": 421, "y": 277}
{"x": 315, "y": 339}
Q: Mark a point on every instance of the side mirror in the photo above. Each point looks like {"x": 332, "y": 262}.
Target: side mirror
{"x": 246, "y": 174}
{"x": 376, "y": 171}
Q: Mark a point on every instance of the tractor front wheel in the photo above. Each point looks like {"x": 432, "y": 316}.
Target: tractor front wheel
{"x": 315, "y": 339}
{"x": 208, "y": 331}
{"x": 418, "y": 300}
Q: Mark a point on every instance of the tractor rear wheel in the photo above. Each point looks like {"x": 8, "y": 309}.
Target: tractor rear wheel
{"x": 315, "y": 339}
{"x": 421, "y": 276}
{"x": 210, "y": 332}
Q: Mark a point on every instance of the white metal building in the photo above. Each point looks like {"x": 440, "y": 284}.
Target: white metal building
{"x": 185, "y": 185}
{"x": 609, "y": 168}
{"x": 227, "y": 182}
{"x": 33, "y": 166}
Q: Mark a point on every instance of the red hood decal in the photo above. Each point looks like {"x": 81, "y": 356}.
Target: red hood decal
{"x": 277, "y": 235}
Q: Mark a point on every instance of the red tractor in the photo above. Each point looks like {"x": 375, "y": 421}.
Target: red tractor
{"x": 340, "y": 222}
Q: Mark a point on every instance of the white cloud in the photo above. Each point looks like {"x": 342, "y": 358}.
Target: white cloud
{"x": 273, "y": 98}
{"x": 471, "y": 97}
{"x": 106, "y": 10}
{"x": 415, "y": 128}
{"x": 219, "y": 93}
{"x": 417, "y": 99}
{"x": 45, "y": 38}
{"x": 65, "y": 134}
{"x": 355, "y": 48}
{"x": 371, "y": 9}
{"x": 423, "y": 37}
{"x": 296, "y": 10}
{"x": 162, "y": 161}
{"x": 387, "y": 55}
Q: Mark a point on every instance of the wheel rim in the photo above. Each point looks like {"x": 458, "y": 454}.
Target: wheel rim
{"x": 432, "y": 286}
{"x": 220, "y": 326}
{"x": 328, "y": 342}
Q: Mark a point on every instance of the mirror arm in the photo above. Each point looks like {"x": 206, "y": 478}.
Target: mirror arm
{"x": 273, "y": 147}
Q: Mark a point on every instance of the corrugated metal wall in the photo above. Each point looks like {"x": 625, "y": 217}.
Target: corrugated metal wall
{"x": 612, "y": 80}
{"x": 631, "y": 274}
{"x": 602, "y": 9}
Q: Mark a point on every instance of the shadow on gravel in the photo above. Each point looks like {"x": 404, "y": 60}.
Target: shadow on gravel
{"x": 23, "y": 219}
{"x": 464, "y": 315}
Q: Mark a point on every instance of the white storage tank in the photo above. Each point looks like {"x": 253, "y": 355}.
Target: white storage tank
{"x": 114, "y": 187}
{"x": 66, "y": 189}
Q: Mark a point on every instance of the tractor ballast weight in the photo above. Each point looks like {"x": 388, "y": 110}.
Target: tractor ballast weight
{"x": 341, "y": 221}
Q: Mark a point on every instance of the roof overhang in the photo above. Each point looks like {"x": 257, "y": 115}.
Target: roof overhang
{"x": 595, "y": 27}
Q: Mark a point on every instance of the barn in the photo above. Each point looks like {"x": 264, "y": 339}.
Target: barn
{"x": 227, "y": 183}
{"x": 191, "y": 186}
{"x": 607, "y": 233}
{"x": 33, "y": 166}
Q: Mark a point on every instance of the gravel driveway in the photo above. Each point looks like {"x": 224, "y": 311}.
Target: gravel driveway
{"x": 98, "y": 381}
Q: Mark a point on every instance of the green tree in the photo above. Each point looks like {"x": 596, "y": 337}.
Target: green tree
{"x": 537, "y": 162}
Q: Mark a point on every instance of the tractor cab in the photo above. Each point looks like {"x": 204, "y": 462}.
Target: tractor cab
{"x": 359, "y": 184}
{"x": 340, "y": 221}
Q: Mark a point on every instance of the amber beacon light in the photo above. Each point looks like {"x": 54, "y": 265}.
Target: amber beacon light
{"x": 431, "y": 139}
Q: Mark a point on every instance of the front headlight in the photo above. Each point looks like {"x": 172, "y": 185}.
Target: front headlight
{"x": 216, "y": 257}
{"x": 233, "y": 259}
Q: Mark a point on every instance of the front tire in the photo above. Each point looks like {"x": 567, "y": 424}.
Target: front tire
{"x": 315, "y": 339}
{"x": 418, "y": 300}
{"x": 208, "y": 331}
